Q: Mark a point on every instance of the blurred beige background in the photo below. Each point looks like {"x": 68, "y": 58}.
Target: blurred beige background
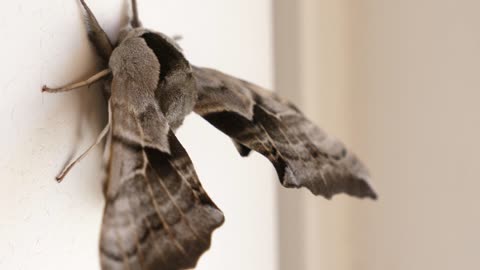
{"x": 399, "y": 82}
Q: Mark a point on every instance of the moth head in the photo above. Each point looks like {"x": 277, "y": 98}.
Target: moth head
{"x": 132, "y": 24}
{"x": 99, "y": 38}
{"x": 134, "y": 29}
{"x": 128, "y": 32}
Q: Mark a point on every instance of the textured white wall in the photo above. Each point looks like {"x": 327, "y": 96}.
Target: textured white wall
{"x": 55, "y": 226}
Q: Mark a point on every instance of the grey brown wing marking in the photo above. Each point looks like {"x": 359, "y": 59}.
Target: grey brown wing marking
{"x": 302, "y": 154}
{"x": 157, "y": 215}
{"x": 159, "y": 218}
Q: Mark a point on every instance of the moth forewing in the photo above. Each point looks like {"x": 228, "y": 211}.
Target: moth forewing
{"x": 303, "y": 154}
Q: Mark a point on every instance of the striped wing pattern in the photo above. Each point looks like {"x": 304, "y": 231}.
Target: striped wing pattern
{"x": 302, "y": 154}
{"x": 157, "y": 215}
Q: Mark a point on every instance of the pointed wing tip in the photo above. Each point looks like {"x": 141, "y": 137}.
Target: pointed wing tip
{"x": 360, "y": 186}
{"x": 365, "y": 190}
{"x": 372, "y": 194}
{"x": 369, "y": 194}
{"x": 362, "y": 189}
{"x": 354, "y": 185}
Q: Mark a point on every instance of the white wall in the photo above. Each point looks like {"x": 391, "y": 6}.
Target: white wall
{"x": 55, "y": 226}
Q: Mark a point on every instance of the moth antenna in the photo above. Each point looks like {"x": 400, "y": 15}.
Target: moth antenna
{"x": 135, "y": 21}
{"x": 99, "y": 139}
{"x": 97, "y": 36}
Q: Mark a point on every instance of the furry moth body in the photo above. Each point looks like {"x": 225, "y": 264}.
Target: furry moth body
{"x": 157, "y": 215}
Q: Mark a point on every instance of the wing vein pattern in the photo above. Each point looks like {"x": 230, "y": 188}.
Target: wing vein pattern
{"x": 157, "y": 215}
{"x": 302, "y": 154}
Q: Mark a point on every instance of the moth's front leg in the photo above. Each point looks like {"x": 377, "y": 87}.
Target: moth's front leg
{"x": 100, "y": 75}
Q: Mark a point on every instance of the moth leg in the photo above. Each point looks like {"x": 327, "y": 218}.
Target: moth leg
{"x": 72, "y": 86}
{"x": 67, "y": 168}
{"x": 107, "y": 152}
{"x": 99, "y": 139}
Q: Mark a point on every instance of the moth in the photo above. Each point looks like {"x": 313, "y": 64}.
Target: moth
{"x": 157, "y": 215}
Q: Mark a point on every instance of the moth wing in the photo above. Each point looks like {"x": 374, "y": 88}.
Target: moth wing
{"x": 302, "y": 154}
{"x": 159, "y": 218}
{"x": 157, "y": 215}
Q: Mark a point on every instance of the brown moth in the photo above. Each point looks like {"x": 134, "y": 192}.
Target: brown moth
{"x": 157, "y": 215}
